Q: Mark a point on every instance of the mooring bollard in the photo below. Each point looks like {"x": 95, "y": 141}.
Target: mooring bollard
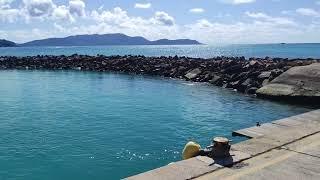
{"x": 220, "y": 148}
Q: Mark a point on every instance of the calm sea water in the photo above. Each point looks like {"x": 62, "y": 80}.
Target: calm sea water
{"x": 81, "y": 125}
{"x": 204, "y": 51}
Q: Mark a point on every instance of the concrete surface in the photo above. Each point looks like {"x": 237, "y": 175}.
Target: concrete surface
{"x": 284, "y": 149}
{"x": 296, "y": 161}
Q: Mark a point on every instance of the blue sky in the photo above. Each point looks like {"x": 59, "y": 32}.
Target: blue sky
{"x": 209, "y": 21}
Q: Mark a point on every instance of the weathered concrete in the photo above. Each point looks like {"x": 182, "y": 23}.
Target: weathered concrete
{"x": 295, "y": 161}
{"x": 282, "y": 149}
{"x": 297, "y": 83}
{"x": 186, "y": 169}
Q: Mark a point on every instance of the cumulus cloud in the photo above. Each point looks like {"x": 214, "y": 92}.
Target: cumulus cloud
{"x": 203, "y": 23}
{"x": 240, "y": 32}
{"x": 236, "y": 2}
{"x": 77, "y": 7}
{"x": 59, "y": 27}
{"x": 21, "y": 36}
{"x": 46, "y": 9}
{"x": 163, "y": 18}
{"x": 119, "y": 17}
{"x": 115, "y": 16}
{"x": 62, "y": 13}
{"x": 253, "y": 27}
{"x": 308, "y": 12}
{"x": 142, "y": 5}
{"x": 196, "y": 10}
{"x": 258, "y": 28}
{"x": 276, "y": 20}
{"x": 38, "y": 8}
{"x": 4, "y": 4}
{"x": 9, "y": 15}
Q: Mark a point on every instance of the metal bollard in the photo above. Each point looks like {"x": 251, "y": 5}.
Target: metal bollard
{"x": 220, "y": 148}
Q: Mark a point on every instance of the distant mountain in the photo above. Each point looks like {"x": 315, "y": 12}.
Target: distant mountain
{"x": 106, "y": 39}
{"x": 5, "y": 43}
{"x": 175, "y": 42}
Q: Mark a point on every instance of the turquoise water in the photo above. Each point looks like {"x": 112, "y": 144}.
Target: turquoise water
{"x": 204, "y": 51}
{"x": 86, "y": 125}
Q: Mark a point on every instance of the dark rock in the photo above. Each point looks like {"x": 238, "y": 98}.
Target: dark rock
{"x": 275, "y": 73}
{"x": 217, "y": 80}
{"x": 233, "y": 69}
{"x": 206, "y": 77}
{"x": 251, "y": 90}
{"x": 229, "y": 72}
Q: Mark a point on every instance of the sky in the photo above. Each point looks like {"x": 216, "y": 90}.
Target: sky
{"x": 208, "y": 21}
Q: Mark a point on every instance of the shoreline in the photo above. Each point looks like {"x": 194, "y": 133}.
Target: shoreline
{"x": 238, "y": 73}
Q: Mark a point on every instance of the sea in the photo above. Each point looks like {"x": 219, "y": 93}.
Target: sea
{"x": 198, "y": 51}
{"x": 94, "y": 125}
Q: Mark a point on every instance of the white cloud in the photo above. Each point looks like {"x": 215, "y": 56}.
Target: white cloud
{"x": 259, "y": 28}
{"x": 38, "y": 8}
{"x": 77, "y": 7}
{"x": 196, "y": 10}
{"x": 59, "y": 27}
{"x": 142, "y": 5}
{"x": 9, "y": 15}
{"x": 46, "y": 9}
{"x": 62, "y": 13}
{"x": 116, "y": 16}
{"x": 163, "y": 18}
{"x": 20, "y": 36}
{"x": 203, "y": 23}
{"x": 5, "y": 3}
{"x": 241, "y": 32}
{"x": 101, "y": 8}
{"x": 119, "y": 17}
{"x": 254, "y": 27}
{"x": 308, "y": 12}
{"x": 267, "y": 18}
{"x": 236, "y": 2}
{"x": 287, "y": 12}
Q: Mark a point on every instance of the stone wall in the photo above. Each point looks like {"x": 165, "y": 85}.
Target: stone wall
{"x": 244, "y": 75}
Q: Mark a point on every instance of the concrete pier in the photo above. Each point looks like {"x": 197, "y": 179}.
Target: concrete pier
{"x": 284, "y": 149}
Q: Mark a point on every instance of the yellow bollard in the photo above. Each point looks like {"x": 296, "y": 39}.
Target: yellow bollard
{"x": 191, "y": 149}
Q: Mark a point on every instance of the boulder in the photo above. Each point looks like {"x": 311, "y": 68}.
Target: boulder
{"x": 216, "y": 80}
{"x": 264, "y": 75}
{"x": 299, "y": 82}
{"x": 193, "y": 73}
{"x": 265, "y": 82}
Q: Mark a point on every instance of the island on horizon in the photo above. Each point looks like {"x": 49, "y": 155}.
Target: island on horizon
{"x": 100, "y": 40}
{"x": 6, "y": 43}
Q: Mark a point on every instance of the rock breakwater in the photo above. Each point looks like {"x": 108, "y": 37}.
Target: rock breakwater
{"x": 243, "y": 75}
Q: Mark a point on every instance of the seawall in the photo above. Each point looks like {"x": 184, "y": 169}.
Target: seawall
{"x": 243, "y": 75}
